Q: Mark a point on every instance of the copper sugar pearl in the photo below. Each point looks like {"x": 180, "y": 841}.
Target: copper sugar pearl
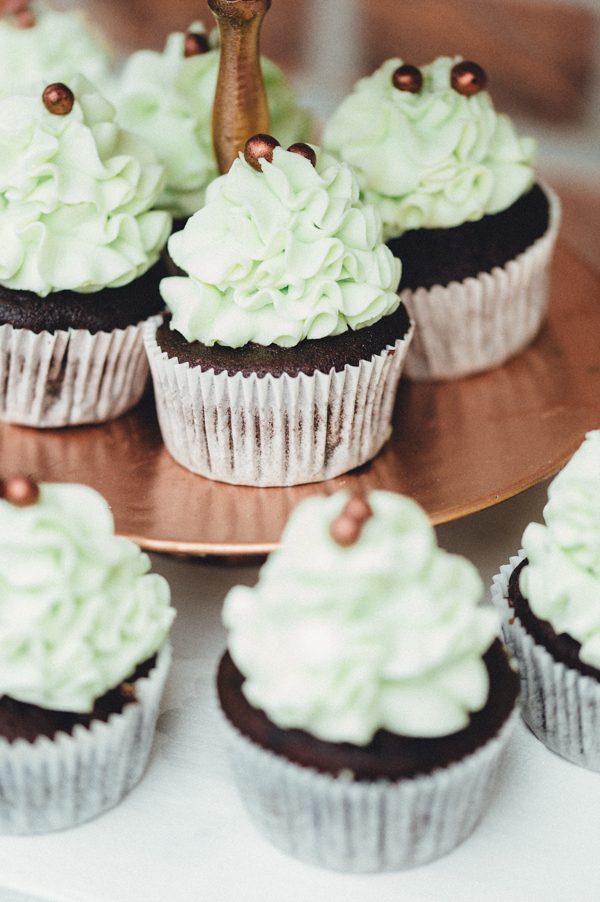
{"x": 347, "y": 527}
{"x": 304, "y": 150}
{"x": 58, "y": 99}
{"x": 22, "y": 15}
{"x": 20, "y": 491}
{"x": 407, "y": 78}
{"x": 468, "y": 78}
{"x": 260, "y": 147}
{"x": 195, "y": 44}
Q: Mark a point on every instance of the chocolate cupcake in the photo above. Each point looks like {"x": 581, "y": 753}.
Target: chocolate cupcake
{"x": 365, "y": 696}
{"x": 455, "y": 187}
{"x": 83, "y": 657}
{"x": 282, "y": 357}
{"x": 549, "y": 596}
{"x": 79, "y": 244}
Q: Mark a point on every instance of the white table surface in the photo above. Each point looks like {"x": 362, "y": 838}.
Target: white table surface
{"x": 182, "y": 834}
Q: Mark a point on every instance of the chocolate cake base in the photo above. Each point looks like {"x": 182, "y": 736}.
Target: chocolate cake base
{"x": 20, "y": 720}
{"x": 100, "y": 311}
{"x": 561, "y": 646}
{"x": 440, "y": 256}
{"x": 388, "y": 756}
{"x": 323, "y": 354}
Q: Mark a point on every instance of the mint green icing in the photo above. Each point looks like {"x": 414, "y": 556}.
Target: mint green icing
{"x": 343, "y": 641}
{"x": 562, "y": 579}
{"x": 430, "y": 160}
{"x": 59, "y": 45}
{"x": 78, "y": 609}
{"x": 280, "y": 255}
{"x": 76, "y": 194}
{"x": 169, "y": 99}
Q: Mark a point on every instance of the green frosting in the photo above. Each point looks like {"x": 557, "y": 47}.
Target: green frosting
{"x": 385, "y": 633}
{"x": 434, "y": 159}
{"x": 280, "y": 255}
{"x": 58, "y": 46}
{"x": 562, "y": 579}
{"x": 78, "y": 609}
{"x": 168, "y": 99}
{"x": 76, "y": 193}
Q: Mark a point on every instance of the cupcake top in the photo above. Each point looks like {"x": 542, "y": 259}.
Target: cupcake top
{"x": 55, "y": 46}
{"x": 282, "y": 251}
{"x": 562, "y": 579}
{"x": 359, "y": 622}
{"x": 78, "y": 609}
{"x": 428, "y": 147}
{"x": 76, "y": 193}
{"x": 168, "y": 98}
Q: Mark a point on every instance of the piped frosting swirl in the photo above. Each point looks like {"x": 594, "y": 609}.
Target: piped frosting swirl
{"x": 345, "y": 639}
{"x": 430, "y": 159}
{"x": 59, "y": 45}
{"x": 78, "y": 608}
{"x": 76, "y": 193}
{"x": 279, "y": 255}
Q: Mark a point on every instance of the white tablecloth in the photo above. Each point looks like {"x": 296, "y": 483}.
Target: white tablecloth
{"x": 183, "y": 836}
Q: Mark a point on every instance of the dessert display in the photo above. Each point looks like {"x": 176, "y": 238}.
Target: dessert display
{"x": 168, "y": 99}
{"x": 366, "y": 698}
{"x": 78, "y": 257}
{"x": 282, "y": 358}
{"x": 39, "y": 43}
{"x": 549, "y": 595}
{"x": 83, "y": 657}
{"x": 456, "y": 190}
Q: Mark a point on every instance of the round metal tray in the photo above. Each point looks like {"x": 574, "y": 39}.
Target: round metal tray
{"x": 456, "y": 448}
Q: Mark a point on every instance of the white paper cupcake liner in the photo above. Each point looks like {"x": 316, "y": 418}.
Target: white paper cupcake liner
{"x": 275, "y": 431}
{"x": 474, "y": 325}
{"x": 560, "y": 705}
{"x": 356, "y": 826}
{"x": 51, "y": 784}
{"x": 67, "y": 378}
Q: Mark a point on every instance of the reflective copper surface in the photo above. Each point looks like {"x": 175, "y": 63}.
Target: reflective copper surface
{"x": 457, "y": 447}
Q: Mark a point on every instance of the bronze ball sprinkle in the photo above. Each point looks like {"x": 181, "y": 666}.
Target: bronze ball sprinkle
{"x": 468, "y": 78}
{"x": 260, "y": 147}
{"x": 345, "y": 531}
{"x": 58, "y": 99}
{"x": 304, "y": 150}
{"x": 358, "y": 508}
{"x": 20, "y": 491}
{"x": 195, "y": 43}
{"x": 407, "y": 78}
{"x": 347, "y": 527}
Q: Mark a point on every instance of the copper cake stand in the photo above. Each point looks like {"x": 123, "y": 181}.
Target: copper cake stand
{"x": 457, "y": 447}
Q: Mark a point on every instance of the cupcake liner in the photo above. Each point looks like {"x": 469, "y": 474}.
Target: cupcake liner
{"x": 51, "y": 784}
{"x": 474, "y": 325}
{"x": 560, "y": 705}
{"x": 275, "y": 431}
{"x": 66, "y": 378}
{"x": 357, "y": 826}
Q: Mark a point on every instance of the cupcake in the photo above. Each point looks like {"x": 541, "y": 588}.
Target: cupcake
{"x": 83, "y": 657}
{"x": 38, "y": 43}
{"x": 168, "y": 99}
{"x": 365, "y": 696}
{"x": 455, "y": 187}
{"x": 282, "y": 358}
{"x": 79, "y": 245}
{"x": 549, "y": 595}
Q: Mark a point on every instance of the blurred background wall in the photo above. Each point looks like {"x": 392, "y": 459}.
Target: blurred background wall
{"x": 542, "y": 59}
